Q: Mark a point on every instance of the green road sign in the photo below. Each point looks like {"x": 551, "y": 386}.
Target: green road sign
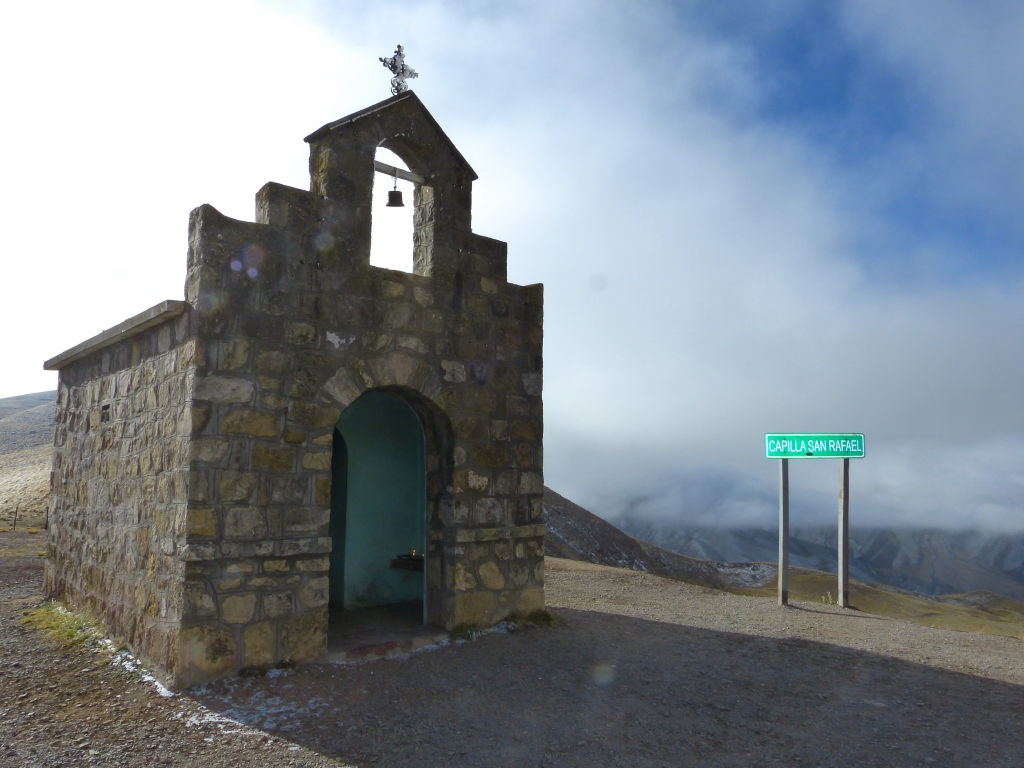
{"x": 814, "y": 446}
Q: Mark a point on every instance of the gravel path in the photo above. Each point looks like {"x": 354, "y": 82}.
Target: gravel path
{"x": 640, "y": 671}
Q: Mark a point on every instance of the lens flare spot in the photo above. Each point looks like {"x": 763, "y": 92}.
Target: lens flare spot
{"x": 603, "y": 674}
{"x": 210, "y": 303}
{"x": 252, "y": 272}
{"x": 236, "y": 265}
{"x": 323, "y": 240}
{"x": 253, "y": 255}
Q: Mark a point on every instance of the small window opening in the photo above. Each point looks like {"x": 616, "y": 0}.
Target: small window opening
{"x": 391, "y": 244}
{"x": 105, "y": 412}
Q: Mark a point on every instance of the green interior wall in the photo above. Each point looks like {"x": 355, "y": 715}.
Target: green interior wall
{"x": 339, "y": 494}
{"x": 379, "y": 497}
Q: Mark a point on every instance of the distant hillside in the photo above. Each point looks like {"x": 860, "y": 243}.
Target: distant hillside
{"x": 26, "y": 440}
{"x": 12, "y": 405}
{"x": 25, "y": 487}
{"x": 28, "y": 428}
{"x": 934, "y": 562}
{"x": 576, "y": 534}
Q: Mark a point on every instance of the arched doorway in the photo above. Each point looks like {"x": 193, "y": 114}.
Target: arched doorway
{"x": 378, "y": 505}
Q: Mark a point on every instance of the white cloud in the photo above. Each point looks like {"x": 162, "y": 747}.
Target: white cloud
{"x": 735, "y": 300}
{"x": 966, "y": 62}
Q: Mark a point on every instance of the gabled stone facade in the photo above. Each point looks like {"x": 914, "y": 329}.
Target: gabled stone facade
{"x": 191, "y": 487}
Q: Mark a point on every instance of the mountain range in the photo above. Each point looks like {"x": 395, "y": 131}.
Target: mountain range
{"x": 930, "y": 561}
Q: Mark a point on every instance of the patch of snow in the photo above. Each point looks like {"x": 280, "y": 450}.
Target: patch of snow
{"x": 161, "y": 689}
{"x": 224, "y": 724}
{"x": 132, "y": 666}
{"x": 747, "y": 574}
{"x": 246, "y": 710}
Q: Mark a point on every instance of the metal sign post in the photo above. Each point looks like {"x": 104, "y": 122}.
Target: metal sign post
{"x": 843, "y": 543}
{"x": 784, "y": 532}
{"x": 815, "y": 446}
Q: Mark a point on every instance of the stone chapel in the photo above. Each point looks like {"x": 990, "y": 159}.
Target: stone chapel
{"x": 306, "y": 435}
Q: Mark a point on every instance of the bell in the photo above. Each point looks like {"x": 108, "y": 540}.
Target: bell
{"x": 395, "y": 199}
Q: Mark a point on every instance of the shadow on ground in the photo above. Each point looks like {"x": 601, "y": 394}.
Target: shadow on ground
{"x": 603, "y": 689}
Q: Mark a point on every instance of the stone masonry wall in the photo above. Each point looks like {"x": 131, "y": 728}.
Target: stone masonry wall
{"x": 119, "y": 486}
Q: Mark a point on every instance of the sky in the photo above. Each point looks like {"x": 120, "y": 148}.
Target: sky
{"x": 749, "y": 217}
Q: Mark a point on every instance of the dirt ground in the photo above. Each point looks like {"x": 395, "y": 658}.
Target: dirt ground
{"x": 640, "y": 671}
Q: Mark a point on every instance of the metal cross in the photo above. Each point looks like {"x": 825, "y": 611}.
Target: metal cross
{"x": 401, "y": 72}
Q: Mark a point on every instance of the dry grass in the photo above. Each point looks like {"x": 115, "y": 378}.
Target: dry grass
{"x": 19, "y": 545}
{"x": 976, "y": 612}
{"x": 541, "y": 618}
{"x": 66, "y": 628}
